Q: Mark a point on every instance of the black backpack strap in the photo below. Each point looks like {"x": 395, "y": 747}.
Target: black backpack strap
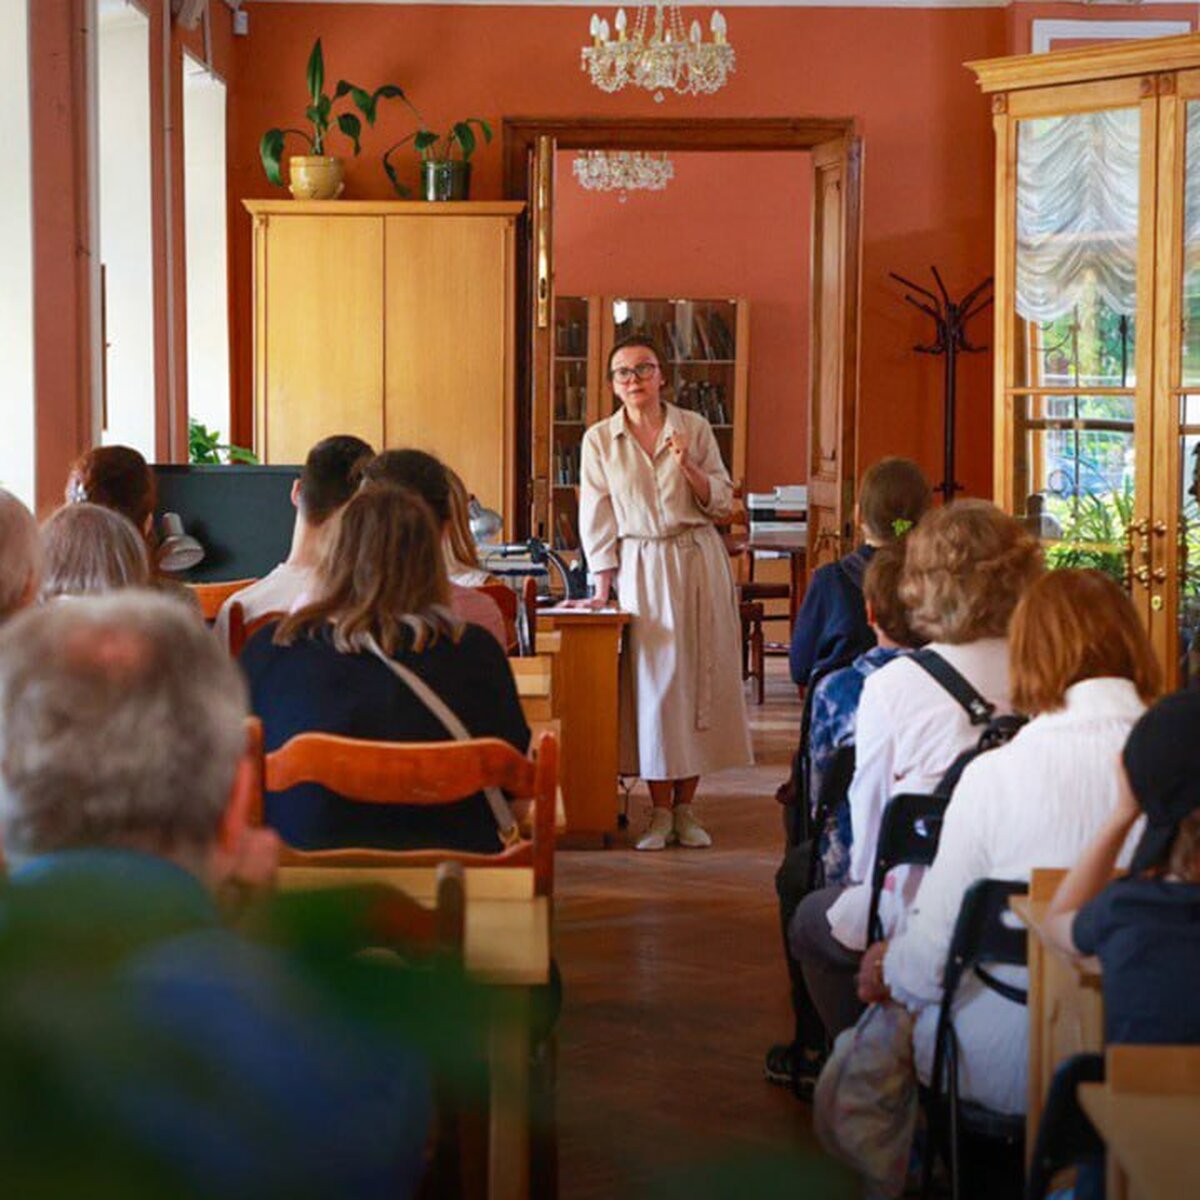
{"x": 973, "y": 704}
{"x": 1007, "y": 990}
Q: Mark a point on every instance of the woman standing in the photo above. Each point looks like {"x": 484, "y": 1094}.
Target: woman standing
{"x": 652, "y": 483}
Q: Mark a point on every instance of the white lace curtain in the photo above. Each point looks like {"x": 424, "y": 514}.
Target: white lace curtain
{"x": 1077, "y": 211}
{"x": 1191, "y": 192}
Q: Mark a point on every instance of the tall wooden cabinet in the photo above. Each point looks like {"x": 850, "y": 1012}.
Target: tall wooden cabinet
{"x": 707, "y": 345}
{"x": 1097, "y": 346}
{"x": 393, "y": 321}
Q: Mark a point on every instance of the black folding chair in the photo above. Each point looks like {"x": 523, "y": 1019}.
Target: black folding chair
{"x": 981, "y": 939}
{"x": 908, "y": 836}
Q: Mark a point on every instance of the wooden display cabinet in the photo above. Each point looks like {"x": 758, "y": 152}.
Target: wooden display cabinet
{"x": 1097, "y": 343}
{"x": 707, "y": 369}
{"x": 394, "y": 321}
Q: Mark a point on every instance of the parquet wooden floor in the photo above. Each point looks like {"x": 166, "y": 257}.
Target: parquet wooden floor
{"x": 675, "y": 985}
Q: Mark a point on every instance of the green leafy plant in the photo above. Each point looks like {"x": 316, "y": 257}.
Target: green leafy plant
{"x": 205, "y": 447}
{"x": 321, "y": 116}
{"x": 1094, "y": 533}
{"x": 438, "y": 147}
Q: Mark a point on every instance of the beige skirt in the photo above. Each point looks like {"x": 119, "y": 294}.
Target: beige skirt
{"x": 683, "y": 711}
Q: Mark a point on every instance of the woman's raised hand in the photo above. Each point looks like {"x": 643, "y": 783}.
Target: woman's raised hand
{"x": 680, "y": 447}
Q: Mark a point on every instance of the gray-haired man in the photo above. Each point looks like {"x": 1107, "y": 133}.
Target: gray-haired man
{"x": 215, "y": 1063}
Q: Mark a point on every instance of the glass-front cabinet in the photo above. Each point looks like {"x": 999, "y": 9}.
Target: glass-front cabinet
{"x": 1097, "y": 386}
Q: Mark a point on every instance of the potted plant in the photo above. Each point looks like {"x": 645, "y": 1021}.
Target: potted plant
{"x": 317, "y": 175}
{"x": 443, "y": 177}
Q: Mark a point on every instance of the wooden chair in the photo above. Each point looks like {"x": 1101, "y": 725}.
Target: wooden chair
{"x": 506, "y": 601}
{"x": 753, "y": 655}
{"x": 210, "y": 596}
{"x": 529, "y": 602}
{"x": 419, "y": 773}
{"x": 241, "y": 630}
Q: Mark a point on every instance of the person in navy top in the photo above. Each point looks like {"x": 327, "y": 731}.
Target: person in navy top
{"x": 381, "y": 587}
{"x": 1144, "y": 927}
{"x": 831, "y": 626}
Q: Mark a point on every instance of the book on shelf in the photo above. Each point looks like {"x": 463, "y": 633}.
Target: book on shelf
{"x": 704, "y": 337}
{"x": 566, "y": 536}
{"x": 722, "y": 338}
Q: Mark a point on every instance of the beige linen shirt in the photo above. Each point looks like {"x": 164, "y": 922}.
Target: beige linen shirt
{"x": 624, "y": 493}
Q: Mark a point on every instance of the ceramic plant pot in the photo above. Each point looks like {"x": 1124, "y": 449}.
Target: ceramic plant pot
{"x": 445, "y": 179}
{"x": 316, "y": 177}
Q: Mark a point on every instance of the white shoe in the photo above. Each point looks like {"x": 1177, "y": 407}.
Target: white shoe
{"x": 659, "y": 832}
{"x": 688, "y": 830}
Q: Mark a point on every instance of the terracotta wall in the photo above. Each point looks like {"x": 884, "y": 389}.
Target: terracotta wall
{"x": 928, "y": 172}
{"x": 727, "y": 225}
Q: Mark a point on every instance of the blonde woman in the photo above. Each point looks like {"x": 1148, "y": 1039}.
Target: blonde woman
{"x": 88, "y": 549}
{"x": 381, "y": 601}
{"x": 462, "y": 558}
{"x": 966, "y": 566}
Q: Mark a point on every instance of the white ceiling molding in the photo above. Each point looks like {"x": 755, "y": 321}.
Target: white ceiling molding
{"x": 1047, "y": 32}
{"x": 607, "y": 5}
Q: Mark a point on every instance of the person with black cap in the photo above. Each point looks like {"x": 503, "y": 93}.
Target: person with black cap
{"x": 1144, "y": 927}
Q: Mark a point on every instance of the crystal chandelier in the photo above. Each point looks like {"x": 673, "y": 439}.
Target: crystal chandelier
{"x": 622, "y": 171}
{"x": 656, "y": 54}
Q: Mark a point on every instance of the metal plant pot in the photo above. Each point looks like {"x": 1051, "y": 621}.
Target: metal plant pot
{"x": 445, "y": 179}
{"x": 316, "y": 177}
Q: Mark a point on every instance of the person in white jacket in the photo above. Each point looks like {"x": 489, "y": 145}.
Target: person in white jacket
{"x": 1082, "y": 666}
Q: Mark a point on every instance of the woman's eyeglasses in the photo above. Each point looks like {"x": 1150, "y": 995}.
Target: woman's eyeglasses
{"x": 644, "y": 370}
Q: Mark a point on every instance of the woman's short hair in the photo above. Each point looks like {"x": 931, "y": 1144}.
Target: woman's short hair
{"x": 20, "y": 554}
{"x": 458, "y": 532}
{"x": 115, "y": 477}
{"x": 419, "y": 472}
{"x": 892, "y": 497}
{"x": 87, "y": 549}
{"x": 965, "y": 567}
{"x": 633, "y": 341}
{"x": 382, "y": 576}
{"x": 1072, "y": 625}
{"x": 881, "y": 591}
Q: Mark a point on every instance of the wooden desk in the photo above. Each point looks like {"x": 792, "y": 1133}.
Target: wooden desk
{"x": 585, "y": 691}
{"x": 535, "y": 686}
{"x": 507, "y": 946}
{"x": 1150, "y": 1139}
{"x": 1066, "y": 1001}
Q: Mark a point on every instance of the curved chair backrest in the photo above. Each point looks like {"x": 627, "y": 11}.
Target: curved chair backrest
{"x": 908, "y": 836}
{"x": 419, "y": 773}
{"x": 210, "y": 596}
{"x": 241, "y": 630}
{"x": 506, "y": 601}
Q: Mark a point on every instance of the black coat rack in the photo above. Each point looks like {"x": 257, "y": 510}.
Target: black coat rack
{"x": 950, "y": 324}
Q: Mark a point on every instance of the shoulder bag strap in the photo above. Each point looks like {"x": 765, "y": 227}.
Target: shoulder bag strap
{"x": 976, "y": 707}
{"x": 505, "y": 823}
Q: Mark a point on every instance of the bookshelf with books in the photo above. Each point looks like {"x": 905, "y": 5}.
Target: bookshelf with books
{"x": 707, "y": 344}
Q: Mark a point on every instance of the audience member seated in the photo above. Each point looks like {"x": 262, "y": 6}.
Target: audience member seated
{"x": 20, "y": 556}
{"x": 1144, "y": 927}
{"x": 1081, "y": 666}
{"x": 834, "y": 704}
{"x": 87, "y": 549}
{"x": 163, "y": 1054}
{"x": 382, "y": 597}
{"x": 331, "y": 475}
{"x": 966, "y": 566}
{"x": 831, "y": 626}
{"x": 462, "y": 557}
{"x": 430, "y": 479}
{"x": 118, "y": 478}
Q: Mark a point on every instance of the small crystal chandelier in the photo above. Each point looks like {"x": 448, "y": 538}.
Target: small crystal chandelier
{"x": 656, "y": 54}
{"x": 622, "y": 171}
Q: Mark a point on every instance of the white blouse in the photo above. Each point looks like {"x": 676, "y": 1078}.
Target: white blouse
{"x": 907, "y": 733}
{"x": 1036, "y": 802}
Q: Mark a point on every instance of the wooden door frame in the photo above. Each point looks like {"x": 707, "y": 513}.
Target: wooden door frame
{"x": 680, "y": 134}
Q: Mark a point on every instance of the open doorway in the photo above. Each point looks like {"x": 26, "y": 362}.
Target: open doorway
{"x": 829, "y": 219}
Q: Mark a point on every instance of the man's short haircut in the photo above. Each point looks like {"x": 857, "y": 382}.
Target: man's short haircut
{"x": 881, "y": 591}
{"x": 88, "y": 549}
{"x": 419, "y": 472}
{"x": 20, "y": 553}
{"x": 965, "y": 567}
{"x": 893, "y": 490}
{"x": 331, "y": 475}
{"x": 121, "y": 725}
{"x": 1073, "y": 625}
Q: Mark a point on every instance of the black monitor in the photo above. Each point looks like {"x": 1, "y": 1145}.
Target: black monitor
{"x": 241, "y": 515}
